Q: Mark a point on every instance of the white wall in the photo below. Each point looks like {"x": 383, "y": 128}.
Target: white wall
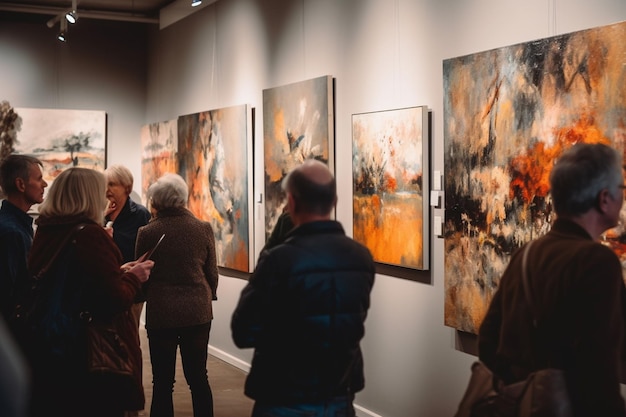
{"x": 384, "y": 54}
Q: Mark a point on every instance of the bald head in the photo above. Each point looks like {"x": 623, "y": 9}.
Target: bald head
{"x": 312, "y": 188}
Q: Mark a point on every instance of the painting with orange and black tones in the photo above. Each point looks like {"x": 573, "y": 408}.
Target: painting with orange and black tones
{"x": 215, "y": 159}
{"x": 508, "y": 114}
{"x": 389, "y": 182}
{"x": 159, "y": 144}
{"x": 298, "y": 124}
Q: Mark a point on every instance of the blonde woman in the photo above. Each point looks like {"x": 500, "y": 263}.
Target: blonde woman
{"x": 92, "y": 266}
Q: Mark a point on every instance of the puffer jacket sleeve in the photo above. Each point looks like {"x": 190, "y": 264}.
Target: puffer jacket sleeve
{"x": 247, "y": 319}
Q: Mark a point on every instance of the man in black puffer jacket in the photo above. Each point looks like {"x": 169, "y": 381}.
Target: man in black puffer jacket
{"x": 304, "y": 308}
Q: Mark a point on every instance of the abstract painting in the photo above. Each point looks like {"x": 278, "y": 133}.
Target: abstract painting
{"x": 508, "y": 114}
{"x": 214, "y": 156}
{"x": 298, "y": 124}
{"x": 389, "y": 182}
{"x": 62, "y": 139}
{"x": 159, "y": 147}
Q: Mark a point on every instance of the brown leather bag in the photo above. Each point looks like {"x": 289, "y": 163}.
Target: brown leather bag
{"x": 106, "y": 351}
{"x": 542, "y": 394}
{"x": 110, "y": 366}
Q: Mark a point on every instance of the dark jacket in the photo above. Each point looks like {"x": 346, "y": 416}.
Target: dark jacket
{"x": 579, "y": 291}
{"x": 184, "y": 278}
{"x": 279, "y": 233}
{"x": 125, "y": 227}
{"x": 108, "y": 297}
{"x": 16, "y": 237}
{"x": 303, "y": 311}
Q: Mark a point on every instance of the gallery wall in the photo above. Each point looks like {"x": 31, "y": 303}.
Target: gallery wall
{"x": 383, "y": 54}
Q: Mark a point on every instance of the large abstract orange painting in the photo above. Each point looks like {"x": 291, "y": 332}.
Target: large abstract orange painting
{"x": 215, "y": 158}
{"x": 390, "y": 180}
{"x": 508, "y": 114}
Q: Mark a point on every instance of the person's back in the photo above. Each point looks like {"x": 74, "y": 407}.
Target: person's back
{"x": 577, "y": 287}
{"x": 179, "y": 309}
{"x": 304, "y": 308}
{"x": 179, "y": 293}
{"x": 308, "y": 350}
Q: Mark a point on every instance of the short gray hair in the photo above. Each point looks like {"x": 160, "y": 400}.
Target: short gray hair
{"x": 121, "y": 175}
{"x": 581, "y": 173}
{"x": 169, "y": 191}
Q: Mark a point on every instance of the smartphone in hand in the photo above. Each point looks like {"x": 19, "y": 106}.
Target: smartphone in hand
{"x": 149, "y": 254}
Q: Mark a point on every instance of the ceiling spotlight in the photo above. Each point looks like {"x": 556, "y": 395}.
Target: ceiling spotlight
{"x": 195, "y": 3}
{"x": 71, "y": 16}
{"x": 62, "y": 31}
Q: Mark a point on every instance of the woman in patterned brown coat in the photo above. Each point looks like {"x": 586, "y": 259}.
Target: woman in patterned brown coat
{"x": 178, "y": 299}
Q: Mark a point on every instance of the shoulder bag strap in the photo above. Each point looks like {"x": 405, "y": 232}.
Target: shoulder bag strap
{"x": 526, "y": 283}
{"x": 63, "y": 244}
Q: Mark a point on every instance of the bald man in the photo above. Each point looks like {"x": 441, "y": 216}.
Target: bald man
{"x": 304, "y": 308}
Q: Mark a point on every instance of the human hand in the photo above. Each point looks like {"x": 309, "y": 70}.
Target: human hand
{"x": 142, "y": 269}
{"x": 109, "y": 228}
{"x": 127, "y": 266}
{"x": 111, "y": 207}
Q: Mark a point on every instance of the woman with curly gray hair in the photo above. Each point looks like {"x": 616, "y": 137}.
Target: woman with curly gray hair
{"x": 178, "y": 299}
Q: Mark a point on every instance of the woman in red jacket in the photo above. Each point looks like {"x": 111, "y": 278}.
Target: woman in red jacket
{"x": 91, "y": 264}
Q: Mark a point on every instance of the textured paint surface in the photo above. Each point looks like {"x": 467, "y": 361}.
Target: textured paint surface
{"x": 213, "y": 158}
{"x": 387, "y": 152}
{"x": 159, "y": 145}
{"x": 297, "y": 125}
{"x": 508, "y": 114}
{"x": 62, "y": 139}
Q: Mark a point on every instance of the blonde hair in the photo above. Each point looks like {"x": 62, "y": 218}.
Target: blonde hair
{"x": 76, "y": 192}
{"x": 121, "y": 175}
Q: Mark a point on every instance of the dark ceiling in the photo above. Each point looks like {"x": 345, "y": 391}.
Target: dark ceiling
{"x": 41, "y": 10}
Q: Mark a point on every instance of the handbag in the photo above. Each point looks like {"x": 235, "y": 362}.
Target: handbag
{"x": 542, "y": 394}
{"x": 110, "y": 365}
{"x": 106, "y": 351}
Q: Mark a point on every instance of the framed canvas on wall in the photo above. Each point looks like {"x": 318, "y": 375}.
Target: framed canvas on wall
{"x": 508, "y": 114}
{"x": 390, "y": 181}
{"x": 298, "y": 124}
{"x": 61, "y": 139}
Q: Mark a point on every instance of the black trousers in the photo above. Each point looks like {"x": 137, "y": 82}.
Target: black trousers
{"x": 193, "y": 342}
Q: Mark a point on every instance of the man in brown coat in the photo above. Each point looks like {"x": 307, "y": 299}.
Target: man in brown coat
{"x": 577, "y": 286}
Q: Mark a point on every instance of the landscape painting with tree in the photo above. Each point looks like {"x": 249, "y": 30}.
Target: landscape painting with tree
{"x": 508, "y": 115}
{"x": 62, "y": 138}
{"x": 390, "y": 178}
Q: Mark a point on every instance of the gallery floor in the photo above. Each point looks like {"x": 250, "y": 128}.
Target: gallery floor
{"x": 226, "y": 383}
